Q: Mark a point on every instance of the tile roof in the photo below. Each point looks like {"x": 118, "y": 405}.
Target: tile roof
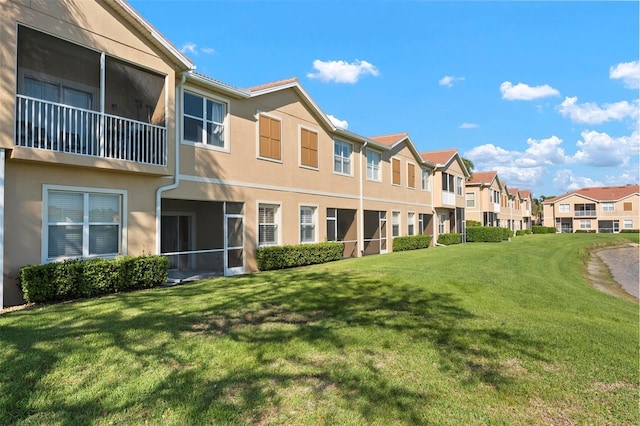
{"x": 439, "y": 157}
{"x": 273, "y": 84}
{"x": 218, "y": 82}
{"x": 391, "y": 139}
{"x": 513, "y": 191}
{"x": 482, "y": 177}
{"x": 601, "y": 193}
{"x": 525, "y": 193}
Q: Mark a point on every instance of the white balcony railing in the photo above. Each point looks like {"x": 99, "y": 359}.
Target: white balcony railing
{"x": 448, "y": 198}
{"x": 585, "y": 213}
{"x": 62, "y": 128}
{"x": 496, "y": 207}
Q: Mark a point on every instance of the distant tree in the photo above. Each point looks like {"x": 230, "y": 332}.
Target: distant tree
{"x": 469, "y": 165}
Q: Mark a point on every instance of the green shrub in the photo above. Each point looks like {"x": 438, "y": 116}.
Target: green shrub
{"x": 73, "y": 279}
{"x": 280, "y": 257}
{"x": 412, "y": 242}
{"x": 477, "y": 234}
{"x": 473, "y": 223}
{"x": 520, "y": 232}
{"x": 528, "y": 232}
{"x": 629, "y": 231}
{"x": 448, "y": 239}
{"x": 506, "y": 233}
{"x": 543, "y": 229}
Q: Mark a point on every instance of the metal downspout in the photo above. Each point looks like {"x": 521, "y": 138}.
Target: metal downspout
{"x": 176, "y": 175}
{"x": 361, "y": 236}
{"x": 2, "y": 151}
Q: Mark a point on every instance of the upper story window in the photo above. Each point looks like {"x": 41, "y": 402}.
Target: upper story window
{"x": 411, "y": 175}
{"x": 426, "y": 179}
{"x": 342, "y": 157}
{"x": 447, "y": 182}
{"x": 395, "y": 171}
{"x": 471, "y": 199}
{"x": 270, "y": 137}
{"x": 564, "y": 208}
{"x": 81, "y": 224}
{"x": 607, "y": 207}
{"x": 373, "y": 165}
{"x": 459, "y": 186}
{"x": 204, "y": 120}
{"x": 308, "y": 148}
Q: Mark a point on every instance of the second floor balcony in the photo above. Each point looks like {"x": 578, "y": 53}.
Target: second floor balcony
{"x": 584, "y": 210}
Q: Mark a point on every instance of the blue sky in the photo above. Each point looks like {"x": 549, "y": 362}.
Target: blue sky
{"x": 546, "y": 93}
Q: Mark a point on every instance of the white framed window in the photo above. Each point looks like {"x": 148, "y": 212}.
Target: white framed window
{"x": 426, "y": 179}
{"x": 442, "y": 219}
{"x": 268, "y": 220}
{"x": 628, "y": 224}
{"x": 82, "y": 222}
{"x": 448, "y": 182}
{"x": 374, "y": 159}
{"x": 204, "y": 120}
{"x": 411, "y": 223}
{"x": 342, "y": 157}
{"x": 459, "y": 186}
{"x": 395, "y": 224}
{"x": 421, "y": 223}
{"x": 564, "y": 208}
{"x": 308, "y": 224}
{"x": 471, "y": 199}
{"x": 332, "y": 224}
{"x": 607, "y": 207}
{"x": 585, "y": 224}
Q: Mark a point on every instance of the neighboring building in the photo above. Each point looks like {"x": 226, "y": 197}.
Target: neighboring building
{"x": 526, "y": 208}
{"x": 483, "y": 198}
{"x": 87, "y": 135}
{"x": 599, "y": 209}
{"x": 449, "y": 191}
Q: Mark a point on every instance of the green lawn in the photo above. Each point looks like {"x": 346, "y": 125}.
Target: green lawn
{"x": 484, "y": 333}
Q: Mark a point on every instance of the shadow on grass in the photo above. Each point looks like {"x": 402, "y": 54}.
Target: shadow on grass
{"x": 304, "y": 331}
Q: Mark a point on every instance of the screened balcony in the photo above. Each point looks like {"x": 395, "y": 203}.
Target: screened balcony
{"x": 76, "y": 100}
{"x": 584, "y": 210}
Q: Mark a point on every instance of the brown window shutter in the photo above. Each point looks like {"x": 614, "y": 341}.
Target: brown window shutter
{"x": 411, "y": 171}
{"x": 396, "y": 171}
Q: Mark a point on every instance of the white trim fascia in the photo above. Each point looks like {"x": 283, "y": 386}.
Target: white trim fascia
{"x": 154, "y": 34}
{"x": 216, "y": 181}
{"x": 218, "y": 85}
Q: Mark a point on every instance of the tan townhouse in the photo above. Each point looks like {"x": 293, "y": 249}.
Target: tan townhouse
{"x": 526, "y": 208}
{"x": 483, "y": 198}
{"x": 87, "y": 135}
{"x": 597, "y": 209}
{"x": 450, "y": 175}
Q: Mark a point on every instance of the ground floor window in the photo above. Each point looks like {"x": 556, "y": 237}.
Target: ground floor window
{"x": 395, "y": 224}
{"x": 411, "y": 223}
{"x": 307, "y": 224}
{"x": 442, "y": 219}
{"x": 628, "y": 224}
{"x": 268, "y": 224}
{"x": 82, "y": 224}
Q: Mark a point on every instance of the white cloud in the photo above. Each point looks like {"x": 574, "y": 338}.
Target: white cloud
{"x": 523, "y": 92}
{"x": 189, "y": 48}
{"x": 520, "y": 177}
{"x": 490, "y": 154}
{"x": 601, "y": 150}
{"x": 208, "y": 50}
{"x": 545, "y": 152}
{"x": 565, "y": 180}
{"x": 468, "y": 126}
{"x": 629, "y": 72}
{"x": 448, "y": 80}
{"x": 342, "y": 124}
{"x": 342, "y": 71}
{"x": 591, "y": 113}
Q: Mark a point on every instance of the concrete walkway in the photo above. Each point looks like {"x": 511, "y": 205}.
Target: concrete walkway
{"x": 624, "y": 264}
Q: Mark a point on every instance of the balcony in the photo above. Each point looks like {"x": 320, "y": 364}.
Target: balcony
{"x": 585, "y": 213}
{"x": 62, "y": 128}
{"x": 448, "y": 198}
{"x": 496, "y": 207}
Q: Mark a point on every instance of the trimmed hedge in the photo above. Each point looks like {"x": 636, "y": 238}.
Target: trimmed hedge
{"x": 412, "y": 242}
{"x": 629, "y": 231}
{"x": 486, "y": 234}
{"x": 448, "y": 239}
{"x": 528, "y": 232}
{"x": 585, "y": 231}
{"x": 506, "y": 233}
{"x": 543, "y": 229}
{"x": 280, "y": 257}
{"x": 473, "y": 223}
{"x": 73, "y": 279}
{"x": 520, "y": 232}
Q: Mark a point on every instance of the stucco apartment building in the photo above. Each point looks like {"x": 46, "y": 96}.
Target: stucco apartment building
{"x": 111, "y": 144}
{"x": 492, "y": 203}
{"x": 597, "y": 209}
{"x": 450, "y": 176}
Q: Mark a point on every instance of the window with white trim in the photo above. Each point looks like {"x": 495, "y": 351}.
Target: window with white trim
{"x": 395, "y": 224}
{"x": 607, "y": 207}
{"x": 628, "y": 224}
{"x": 426, "y": 179}
{"x": 585, "y": 224}
{"x": 204, "y": 120}
{"x": 411, "y": 223}
{"x": 342, "y": 157}
{"x": 459, "y": 186}
{"x": 83, "y": 224}
{"x": 421, "y": 223}
{"x": 447, "y": 182}
{"x": 268, "y": 219}
{"x": 373, "y": 165}
{"x": 307, "y": 224}
{"x": 564, "y": 208}
{"x": 471, "y": 199}
{"x": 442, "y": 219}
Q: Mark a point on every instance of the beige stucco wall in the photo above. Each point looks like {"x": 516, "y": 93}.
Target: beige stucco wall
{"x": 552, "y": 211}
